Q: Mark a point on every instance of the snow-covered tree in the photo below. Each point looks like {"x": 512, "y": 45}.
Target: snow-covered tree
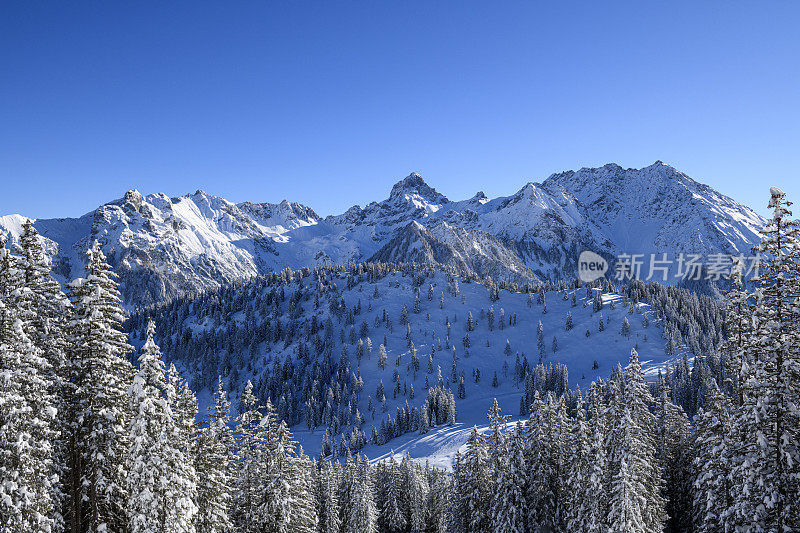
{"x": 215, "y": 465}
{"x": 711, "y": 485}
{"x": 580, "y": 489}
{"x": 251, "y": 451}
{"x": 45, "y": 312}
{"x": 326, "y": 482}
{"x": 738, "y": 323}
{"x": 635, "y": 496}
{"x": 674, "y": 457}
{"x": 475, "y": 492}
{"x": 99, "y": 408}
{"x": 546, "y": 448}
{"x": 357, "y": 504}
{"x": 509, "y": 505}
{"x": 766, "y": 470}
{"x": 156, "y": 482}
{"x": 392, "y": 513}
{"x": 28, "y": 479}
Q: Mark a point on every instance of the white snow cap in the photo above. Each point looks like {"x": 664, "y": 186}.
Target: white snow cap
{"x": 774, "y": 191}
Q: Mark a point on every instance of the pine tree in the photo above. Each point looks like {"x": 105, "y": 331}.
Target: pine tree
{"x": 540, "y": 339}
{"x": 183, "y": 440}
{"x": 46, "y": 312}
{"x": 546, "y": 441}
{"x": 215, "y": 464}
{"x": 478, "y": 485}
{"x": 626, "y": 514}
{"x": 326, "y": 497}
{"x": 98, "y": 440}
{"x": 251, "y": 450}
{"x": 766, "y": 473}
{"x": 578, "y": 500}
{"x": 287, "y": 504}
{"x": 636, "y": 478}
{"x": 155, "y": 481}
{"x": 595, "y": 489}
{"x": 625, "y": 331}
{"x": 382, "y": 357}
{"x": 358, "y": 512}
{"x": 27, "y": 418}
{"x": 458, "y": 515}
{"x": 738, "y": 319}
{"x": 392, "y": 514}
{"x": 508, "y": 505}
{"x": 711, "y": 485}
{"x": 673, "y": 451}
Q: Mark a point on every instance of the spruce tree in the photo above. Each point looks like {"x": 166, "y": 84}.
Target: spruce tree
{"x": 99, "y": 410}
{"x": 766, "y": 473}
{"x": 155, "y": 481}
{"x": 326, "y": 496}
{"x": 738, "y": 319}
{"x": 182, "y": 442}
{"x": 215, "y": 466}
{"x": 251, "y": 450}
{"x": 474, "y": 486}
{"x": 357, "y": 504}
{"x": 636, "y": 484}
{"x": 674, "y": 458}
{"x": 711, "y": 484}
{"x": 578, "y": 498}
{"x": 392, "y": 514}
{"x": 46, "y": 312}
{"x": 28, "y": 493}
{"x": 509, "y": 504}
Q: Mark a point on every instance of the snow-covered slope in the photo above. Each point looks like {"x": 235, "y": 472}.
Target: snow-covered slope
{"x": 163, "y": 246}
{"x": 452, "y": 246}
{"x": 293, "y": 369}
{"x": 658, "y": 209}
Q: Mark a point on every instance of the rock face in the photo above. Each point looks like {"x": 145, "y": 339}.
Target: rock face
{"x": 163, "y": 246}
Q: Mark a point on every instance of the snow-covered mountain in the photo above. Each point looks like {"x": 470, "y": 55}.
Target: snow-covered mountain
{"x": 163, "y": 246}
{"x": 657, "y": 209}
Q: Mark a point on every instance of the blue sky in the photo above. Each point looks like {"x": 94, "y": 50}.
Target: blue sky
{"x": 330, "y": 103}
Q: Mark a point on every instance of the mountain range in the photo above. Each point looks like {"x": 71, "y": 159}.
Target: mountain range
{"x": 162, "y": 246}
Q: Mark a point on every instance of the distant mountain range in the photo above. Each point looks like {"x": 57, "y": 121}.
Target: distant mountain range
{"x": 162, "y": 246}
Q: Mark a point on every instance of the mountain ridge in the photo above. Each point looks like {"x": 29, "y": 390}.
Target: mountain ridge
{"x": 163, "y": 246}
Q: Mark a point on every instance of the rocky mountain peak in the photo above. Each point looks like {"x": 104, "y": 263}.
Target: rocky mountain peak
{"x": 413, "y": 187}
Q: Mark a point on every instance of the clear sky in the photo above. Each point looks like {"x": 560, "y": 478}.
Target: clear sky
{"x": 329, "y": 103}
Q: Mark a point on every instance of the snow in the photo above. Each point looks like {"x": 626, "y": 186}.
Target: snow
{"x": 11, "y": 225}
{"x": 164, "y": 246}
{"x": 438, "y": 446}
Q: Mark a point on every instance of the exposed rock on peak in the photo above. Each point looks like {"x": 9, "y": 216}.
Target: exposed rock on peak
{"x": 414, "y": 188}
